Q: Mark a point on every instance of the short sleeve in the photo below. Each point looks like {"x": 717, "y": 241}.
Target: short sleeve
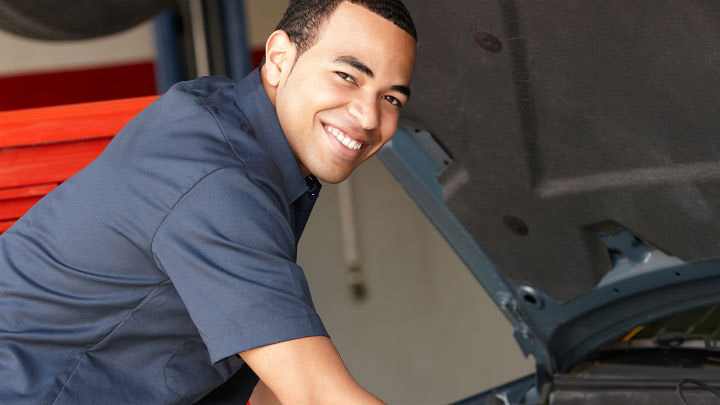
{"x": 229, "y": 249}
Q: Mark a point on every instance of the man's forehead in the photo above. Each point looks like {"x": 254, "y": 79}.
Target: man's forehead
{"x": 368, "y": 42}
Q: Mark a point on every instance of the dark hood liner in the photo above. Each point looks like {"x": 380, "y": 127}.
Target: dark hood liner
{"x": 563, "y": 116}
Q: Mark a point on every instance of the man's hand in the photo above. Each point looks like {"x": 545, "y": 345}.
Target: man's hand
{"x": 306, "y": 371}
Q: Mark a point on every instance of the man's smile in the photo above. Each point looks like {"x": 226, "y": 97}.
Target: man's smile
{"x": 351, "y": 146}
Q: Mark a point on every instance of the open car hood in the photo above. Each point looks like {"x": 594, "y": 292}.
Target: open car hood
{"x": 568, "y": 151}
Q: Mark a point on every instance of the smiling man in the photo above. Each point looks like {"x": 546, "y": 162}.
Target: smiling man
{"x": 164, "y": 272}
{"x": 339, "y": 102}
{"x": 338, "y": 99}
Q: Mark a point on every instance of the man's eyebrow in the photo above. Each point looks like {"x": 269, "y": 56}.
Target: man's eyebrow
{"x": 354, "y": 62}
{"x": 402, "y": 89}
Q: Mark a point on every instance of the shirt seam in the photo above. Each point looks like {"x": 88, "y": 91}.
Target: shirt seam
{"x": 152, "y": 242}
{"x": 227, "y": 143}
{"x": 222, "y": 130}
{"x": 85, "y": 352}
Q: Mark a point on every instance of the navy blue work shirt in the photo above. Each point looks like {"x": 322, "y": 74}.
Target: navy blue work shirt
{"x": 139, "y": 279}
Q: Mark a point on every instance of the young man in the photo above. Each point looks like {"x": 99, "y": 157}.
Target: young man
{"x": 167, "y": 266}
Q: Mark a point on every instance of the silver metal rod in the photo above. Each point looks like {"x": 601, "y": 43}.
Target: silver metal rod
{"x": 348, "y": 230}
{"x": 347, "y": 224}
{"x": 197, "y": 23}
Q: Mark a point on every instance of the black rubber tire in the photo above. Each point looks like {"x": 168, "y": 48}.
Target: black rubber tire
{"x": 75, "y": 19}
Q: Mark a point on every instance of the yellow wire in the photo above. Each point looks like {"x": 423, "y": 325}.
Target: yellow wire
{"x": 632, "y": 333}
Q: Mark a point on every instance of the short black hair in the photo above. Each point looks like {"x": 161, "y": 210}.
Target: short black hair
{"x": 303, "y": 18}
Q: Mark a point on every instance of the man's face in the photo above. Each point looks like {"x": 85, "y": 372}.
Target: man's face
{"x": 341, "y": 100}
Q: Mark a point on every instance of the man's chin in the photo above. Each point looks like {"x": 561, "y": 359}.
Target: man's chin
{"x": 332, "y": 180}
{"x": 332, "y": 176}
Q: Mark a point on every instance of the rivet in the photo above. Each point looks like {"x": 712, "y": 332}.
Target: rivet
{"x": 531, "y": 297}
{"x": 516, "y": 225}
{"x": 489, "y": 42}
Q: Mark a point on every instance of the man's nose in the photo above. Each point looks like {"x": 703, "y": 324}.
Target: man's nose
{"x": 366, "y": 111}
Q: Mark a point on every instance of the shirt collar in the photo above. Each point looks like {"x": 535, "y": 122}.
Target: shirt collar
{"x": 252, "y": 99}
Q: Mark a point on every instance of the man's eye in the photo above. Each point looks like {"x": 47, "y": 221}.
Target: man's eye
{"x": 394, "y": 101}
{"x": 346, "y": 77}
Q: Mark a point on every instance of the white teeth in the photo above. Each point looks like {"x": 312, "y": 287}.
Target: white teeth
{"x": 349, "y": 143}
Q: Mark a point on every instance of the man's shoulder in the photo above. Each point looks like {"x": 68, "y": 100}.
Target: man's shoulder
{"x": 199, "y": 110}
{"x": 200, "y": 125}
{"x": 203, "y": 87}
{"x": 245, "y": 118}
{"x": 207, "y": 91}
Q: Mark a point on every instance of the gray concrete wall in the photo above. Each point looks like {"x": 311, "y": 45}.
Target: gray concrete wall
{"x": 427, "y": 331}
{"x": 20, "y": 55}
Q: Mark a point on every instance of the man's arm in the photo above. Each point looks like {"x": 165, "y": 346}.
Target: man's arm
{"x": 307, "y": 370}
{"x": 262, "y": 395}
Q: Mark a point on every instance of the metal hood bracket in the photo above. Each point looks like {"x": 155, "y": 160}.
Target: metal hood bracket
{"x": 557, "y": 334}
{"x": 415, "y": 160}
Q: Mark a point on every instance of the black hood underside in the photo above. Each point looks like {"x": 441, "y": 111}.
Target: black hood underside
{"x": 566, "y": 120}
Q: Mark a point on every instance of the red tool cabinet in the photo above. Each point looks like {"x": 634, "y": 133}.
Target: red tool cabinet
{"x": 41, "y": 147}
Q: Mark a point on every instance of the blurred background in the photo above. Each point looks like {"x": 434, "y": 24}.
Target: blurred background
{"x": 409, "y": 319}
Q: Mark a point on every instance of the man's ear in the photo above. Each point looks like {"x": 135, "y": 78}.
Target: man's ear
{"x": 279, "y": 57}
